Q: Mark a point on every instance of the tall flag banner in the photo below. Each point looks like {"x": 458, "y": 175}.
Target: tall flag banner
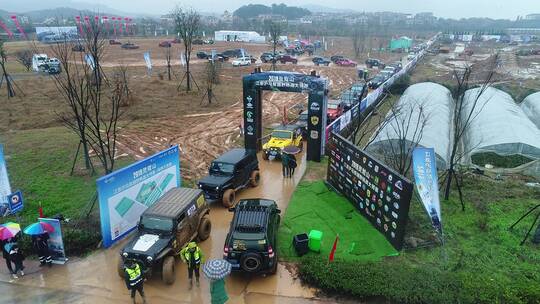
{"x": 114, "y": 24}
{"x": 87, "y": 22}
{"x": 89, "y": 60}
{"x": 5, "y": 188}
{"x": 148, "y": 62}
{"x": 127, "y": 25}
{"x": 105, "y": 20}
{"x": 78, "y": 21}
{"x": 96, "y": 20}
{"x": 18, "y": 26}
{"x": 120, "y": 24}
{"x": 243, "y": 53}
{"x": 213, "y": 55}
{"x": 425, "y": 177}
{"x": 182, "y": 59}
{"x": 3, "y": 26}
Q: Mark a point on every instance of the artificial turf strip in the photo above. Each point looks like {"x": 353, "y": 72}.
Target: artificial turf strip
{"x": 314, "y": 206}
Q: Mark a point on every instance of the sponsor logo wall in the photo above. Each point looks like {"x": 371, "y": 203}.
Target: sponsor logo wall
{"x": 381, "y": 195}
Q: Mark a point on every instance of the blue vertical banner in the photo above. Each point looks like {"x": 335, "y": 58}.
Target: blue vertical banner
{"x": 126, "y": 193}
{"x": 425, "y": 178}
{"x": 15, "y": 201}
{"x": 56, "y": 241}
{"x": 5, "y": 188}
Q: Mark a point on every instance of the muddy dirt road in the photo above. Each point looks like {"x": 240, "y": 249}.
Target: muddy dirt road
{"x": 94, "y": 279}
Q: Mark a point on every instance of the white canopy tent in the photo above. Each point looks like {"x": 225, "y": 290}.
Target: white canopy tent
{"x": 436, "y": 103}
{"x": 499, "y": 126}
{"x": 531, "y": 108}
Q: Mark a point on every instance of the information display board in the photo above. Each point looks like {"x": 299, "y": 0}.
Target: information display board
{"x": 125, "y": 194}
{"x": 380, "y": 194}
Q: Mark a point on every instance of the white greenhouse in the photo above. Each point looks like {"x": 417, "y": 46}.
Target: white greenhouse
{"x": 242, "y": 36}
{"x": 531, "y": 108}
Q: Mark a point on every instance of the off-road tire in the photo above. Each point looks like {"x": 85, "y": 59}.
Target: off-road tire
{"x": 168, "y": 274}
{"x": 264, "y": 156}
{"x": 120, "y": 268}
{"x": 255, "y": 178}
{"x": 251, "y": 262}
{"x": 274, "y": 268}
{"x": 228, "y": 198}
{"x": 205, "y": 227}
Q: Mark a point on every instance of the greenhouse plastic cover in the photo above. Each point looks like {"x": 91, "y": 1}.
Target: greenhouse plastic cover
{"x": 531, "y": 108}
{"x": 438, "y": 103}
{"x": 499, "y": 126}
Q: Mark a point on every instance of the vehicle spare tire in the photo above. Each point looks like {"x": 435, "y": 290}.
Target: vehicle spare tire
{"x": 251, "y": 262}
{"x": 228, "y": 198}
{"x": 168, "y": 274}
{"x": 255, "y": 178}
{"x": 205, "y": 227}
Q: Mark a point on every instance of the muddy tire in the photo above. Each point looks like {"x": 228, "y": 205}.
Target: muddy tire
{"x": 264, "y": 156}
{"x": 274, "y": 268}
{"x": 120, "y": 268}
{"x": 168, "y": 274}
{"x": 251, "y": 262}
{"x": 205, "y": 227}
{"x": 255, "y": 178}
{"x": 228, "y": 198}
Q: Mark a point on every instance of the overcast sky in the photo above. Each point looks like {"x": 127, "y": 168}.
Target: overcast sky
{"x": 508, "y": 9}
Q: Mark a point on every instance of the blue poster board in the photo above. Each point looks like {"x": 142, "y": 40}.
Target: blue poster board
{"x": 125, "y": 194}
{"x": 15, "y": 201}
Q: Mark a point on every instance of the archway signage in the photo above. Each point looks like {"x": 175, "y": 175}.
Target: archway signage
{"x": 315, "y": 86}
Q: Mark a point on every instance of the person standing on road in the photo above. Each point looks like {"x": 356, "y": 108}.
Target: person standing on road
{"x": 192, "y": 255}
{"x": 5, "y": 254}
{"x": 218, "y": 294}
{"x": 285, "y": 164}
{"x": 41, "y": 245}
{"x": 292, "y": 164}
{"x": 134, "y": 279}
{"x": 16, "y": 256}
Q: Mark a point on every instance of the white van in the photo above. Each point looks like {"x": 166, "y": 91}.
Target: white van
{"x": 38, "y": 60}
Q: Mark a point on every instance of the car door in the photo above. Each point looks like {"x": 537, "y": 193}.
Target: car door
{"x": 184, "y": 230}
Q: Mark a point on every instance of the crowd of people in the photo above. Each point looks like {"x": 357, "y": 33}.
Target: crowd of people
{"x": 14, "y": 256}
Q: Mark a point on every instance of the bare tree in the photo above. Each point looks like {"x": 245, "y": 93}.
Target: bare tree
{"x": 466, "y": 109}
{"x": 212, "y": 71}
{"x": 403, "y": 130}
{"x": 5, "y": 76}
{"x": 24, "y": 57}
{"x": 358, "y": 39}
{"x": 168, "y": 61}
{"x": 275, "y": 29}
{"x": 187, "y": 23}
{"x": 93, "y": 100}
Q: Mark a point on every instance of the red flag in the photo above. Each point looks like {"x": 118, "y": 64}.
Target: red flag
{"x": 40, "y": 209}
{"x": 332, "y": 253}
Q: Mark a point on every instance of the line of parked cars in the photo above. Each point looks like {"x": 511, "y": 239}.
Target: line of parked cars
{"x": 387, "y": 72}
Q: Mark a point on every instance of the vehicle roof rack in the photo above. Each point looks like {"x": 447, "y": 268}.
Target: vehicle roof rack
{"x": 251, "y": 218}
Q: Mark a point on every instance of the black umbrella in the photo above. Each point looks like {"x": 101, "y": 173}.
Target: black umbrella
{"x": 292, "y": 150}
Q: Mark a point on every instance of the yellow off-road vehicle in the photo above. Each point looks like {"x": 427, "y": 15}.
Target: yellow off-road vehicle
{"x": 282, "y": 136}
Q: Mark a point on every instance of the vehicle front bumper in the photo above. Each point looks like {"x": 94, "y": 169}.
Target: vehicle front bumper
{"x": 275, "y": 152}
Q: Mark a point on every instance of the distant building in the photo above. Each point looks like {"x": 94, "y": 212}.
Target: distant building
{"x": 532, "y": 17}
{"x": 227, "y": 17}
{"x": 243, "y": 36}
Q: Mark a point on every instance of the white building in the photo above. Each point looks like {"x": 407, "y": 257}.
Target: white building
{"x": 243, "y": 36}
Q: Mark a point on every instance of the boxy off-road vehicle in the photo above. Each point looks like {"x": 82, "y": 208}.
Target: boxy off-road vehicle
{"x": 251, "y": 243}
{"x": 230, "y": 172}
{"x": 178, "y": 217}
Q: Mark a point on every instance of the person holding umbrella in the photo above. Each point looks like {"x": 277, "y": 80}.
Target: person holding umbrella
{"x": 41, "y": 245}
{"x": 16, "y": 256}
{"x": 285, "y": 163}
{"x": 40, "y": 239}
{"x": 290, "y": 151}
{"x": 8, "y": 234}
{"x": 216, "y": 271}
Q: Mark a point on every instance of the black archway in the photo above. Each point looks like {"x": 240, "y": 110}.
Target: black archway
{"x": 315, "y": 86}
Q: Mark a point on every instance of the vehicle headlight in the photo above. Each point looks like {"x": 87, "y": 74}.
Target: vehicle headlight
{"x": 217, "y": 188}
{"x": 200, "y": 185}
{"x": 125, "y": 254}
{"x": 149, "y": 259}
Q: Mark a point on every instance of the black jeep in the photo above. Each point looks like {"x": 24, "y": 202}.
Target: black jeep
{"x": 232, "y": 171}
{"x": 251, "y": 243}
{"x": 177, "y": 218}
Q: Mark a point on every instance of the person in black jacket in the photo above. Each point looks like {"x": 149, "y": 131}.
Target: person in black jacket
{"x": 292, "y": 164}
{"x": 41, "y": 245}
{"x": 17, "y": 257}
{"x": 5, "y": 254}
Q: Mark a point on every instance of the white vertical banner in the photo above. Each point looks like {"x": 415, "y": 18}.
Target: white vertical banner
{"x": 213, "y": 55}
{"x": 182, "y": 59}
{"x": 5, "y": 188}
{"x": 148, "y": 62}
{"x": 243, "y": 53}
{"x": 89, "y": 60}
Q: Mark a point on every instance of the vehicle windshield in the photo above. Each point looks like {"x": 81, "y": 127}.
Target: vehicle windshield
{"x": 332, "y": 106}
{"x": 282, "y": 134}
{"x": 302, "y": 116}
{"x": 221, "y": 168}
{"x": 155, "y": 223}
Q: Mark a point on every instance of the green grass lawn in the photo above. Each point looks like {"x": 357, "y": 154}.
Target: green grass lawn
{"x": 481, "y": 260}
{"x": 314, "y": 206}
{"x": 39, "y": 163}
